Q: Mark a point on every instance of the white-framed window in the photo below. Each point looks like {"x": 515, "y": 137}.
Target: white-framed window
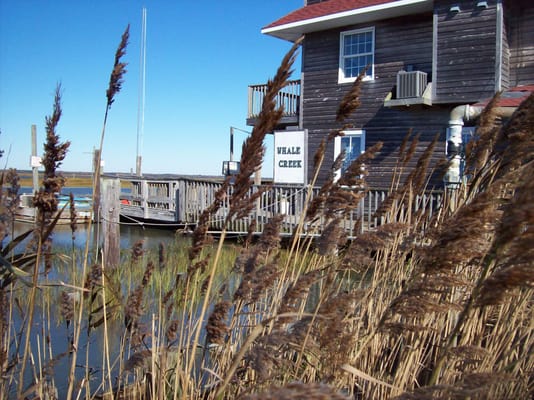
{"x": 353, "y": 144}
{"x": 356, "y": 51}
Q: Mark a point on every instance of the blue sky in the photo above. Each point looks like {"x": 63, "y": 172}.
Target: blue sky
{"x": 200, "y": 58}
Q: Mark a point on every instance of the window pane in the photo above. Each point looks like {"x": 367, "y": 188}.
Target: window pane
{"x": 352, "y": 147}
{"x": 357, "y": 53}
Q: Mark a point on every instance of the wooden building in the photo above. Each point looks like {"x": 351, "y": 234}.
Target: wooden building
{"x": 432, "y": 63}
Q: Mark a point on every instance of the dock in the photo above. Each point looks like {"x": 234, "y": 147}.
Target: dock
{"x": 169, "y": 200}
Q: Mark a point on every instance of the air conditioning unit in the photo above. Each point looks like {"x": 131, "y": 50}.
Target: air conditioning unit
{"x": 411, "y": 84}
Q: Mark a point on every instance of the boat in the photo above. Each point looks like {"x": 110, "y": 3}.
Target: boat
{"x": 83, "y": 207}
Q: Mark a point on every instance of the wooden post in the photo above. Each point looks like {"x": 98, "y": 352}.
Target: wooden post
{"x": 96, "y": 176}
{"x": 257, "y": 182}
{"x": 110, "y": 214}
{"x": 35, "y": 168}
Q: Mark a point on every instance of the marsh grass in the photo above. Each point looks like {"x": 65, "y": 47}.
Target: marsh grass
{"x": 419, "y": 307}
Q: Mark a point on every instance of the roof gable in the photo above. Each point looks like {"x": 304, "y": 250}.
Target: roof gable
{"x": 335, "y": 13}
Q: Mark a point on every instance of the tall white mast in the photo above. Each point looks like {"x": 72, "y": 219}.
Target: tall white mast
{"x": 141, "y": 94}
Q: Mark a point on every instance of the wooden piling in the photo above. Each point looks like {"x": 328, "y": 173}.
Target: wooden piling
{"x": 110, "y": 218}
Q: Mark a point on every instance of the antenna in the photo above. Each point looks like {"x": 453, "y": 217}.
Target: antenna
{"x": 141, "y": 94}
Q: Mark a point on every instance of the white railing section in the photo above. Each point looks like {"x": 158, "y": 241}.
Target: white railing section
{"x": 288, "y": 98}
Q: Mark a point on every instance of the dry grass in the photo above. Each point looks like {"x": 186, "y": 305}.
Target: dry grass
{"x": 415, "y": 309}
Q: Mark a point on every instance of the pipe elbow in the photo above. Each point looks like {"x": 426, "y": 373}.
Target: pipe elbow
{"x": 463, "y": 113}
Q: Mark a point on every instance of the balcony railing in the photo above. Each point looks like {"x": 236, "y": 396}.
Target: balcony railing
{"x": 288, "y": 98}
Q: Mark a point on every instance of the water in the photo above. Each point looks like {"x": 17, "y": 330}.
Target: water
{"x": 130, "y": 234}
{"x": 60, "y": 335}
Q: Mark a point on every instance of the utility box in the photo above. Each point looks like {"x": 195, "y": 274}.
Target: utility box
{"x": 411, "y": 84}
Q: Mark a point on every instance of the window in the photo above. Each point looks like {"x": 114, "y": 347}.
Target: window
{"x": 356, "y": 52}
{"x": 353, "y": 144}
{"x": 468, "y": 135}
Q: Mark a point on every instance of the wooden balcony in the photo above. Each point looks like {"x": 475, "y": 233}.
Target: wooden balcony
{"x": 288, "y": 98}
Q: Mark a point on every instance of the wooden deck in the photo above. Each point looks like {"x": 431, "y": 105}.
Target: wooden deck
{"x": 181, "y": 200}
{"x": 288, "y": 99}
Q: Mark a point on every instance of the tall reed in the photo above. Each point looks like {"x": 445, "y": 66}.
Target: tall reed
{"x": 114, "y": 87}
{"x": 415, "y": 307}
{"x": 46, "y": 204}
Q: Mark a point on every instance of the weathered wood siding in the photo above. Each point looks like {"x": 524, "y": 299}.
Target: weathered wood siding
{"x": 466, "y": 51}
{"x": 505, "y": 56}
{"x": 520, "y": 37}
{"x": 399, "y": 42}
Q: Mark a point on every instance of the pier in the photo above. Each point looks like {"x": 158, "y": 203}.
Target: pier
{"x": 180, "y": 200}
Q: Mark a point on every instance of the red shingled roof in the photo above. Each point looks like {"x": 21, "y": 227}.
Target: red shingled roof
{"x": 512, "y": 97}
{"x": 326, "y": 8}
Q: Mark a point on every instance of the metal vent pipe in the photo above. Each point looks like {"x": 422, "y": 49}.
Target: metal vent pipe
{"x": 458, "y": 116}
{"x": 454, "y": 150}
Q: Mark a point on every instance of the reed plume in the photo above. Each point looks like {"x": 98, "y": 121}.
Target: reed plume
{"x": 54, "y": 151}
{"x": 297, "y": 293}
{"x": 93, "y": 280}
{"x": 67, "y": 307}
{"x": 478, "y": 151}
{"x": 351, "y": 100}
{"x": 45, "y": 199}
{"x": 134, "y": 305}
{"x": 406, "y": 156}
{"x": 337, "y": 200}
{"x": 137, "y": 251}
{"x": 241, "y": 201}
{"x": 4, "y": 328}
{"x": 297, "y": 390}
{"x": 116, "y": 78}
{"x": 161, "y": 256}
{"x": 419, "y": 175}
{"x": 12, "y": 179}
{"x": 515, "y": 142}
{"x": 72, "y": 209}
{"x": 9, "y": 201}
{"x": 216, "y": 328}
{"x": 201, "y": 238}
{"x": 255, "y": 279}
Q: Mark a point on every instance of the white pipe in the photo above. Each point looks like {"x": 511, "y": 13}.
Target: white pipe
{"x": 454, "y": 149}
{"x": 458, "y": 116}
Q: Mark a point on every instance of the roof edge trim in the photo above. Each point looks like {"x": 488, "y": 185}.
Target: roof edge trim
{"x": 349, "y": 13}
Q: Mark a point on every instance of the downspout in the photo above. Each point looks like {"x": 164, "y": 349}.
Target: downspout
{"x": 454, "y": 148}
{"x": 454, "y": 151}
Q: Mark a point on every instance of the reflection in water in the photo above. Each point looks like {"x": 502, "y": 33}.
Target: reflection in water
{"x": 130, "y": 234}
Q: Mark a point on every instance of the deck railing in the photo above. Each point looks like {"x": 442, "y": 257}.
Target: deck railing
{"x": 288, "y": 98}
{"x": 182, "y": 201}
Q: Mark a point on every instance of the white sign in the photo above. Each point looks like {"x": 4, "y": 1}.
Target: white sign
{"x": 290, "y": 157}
{"x": 35, "y": 162}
